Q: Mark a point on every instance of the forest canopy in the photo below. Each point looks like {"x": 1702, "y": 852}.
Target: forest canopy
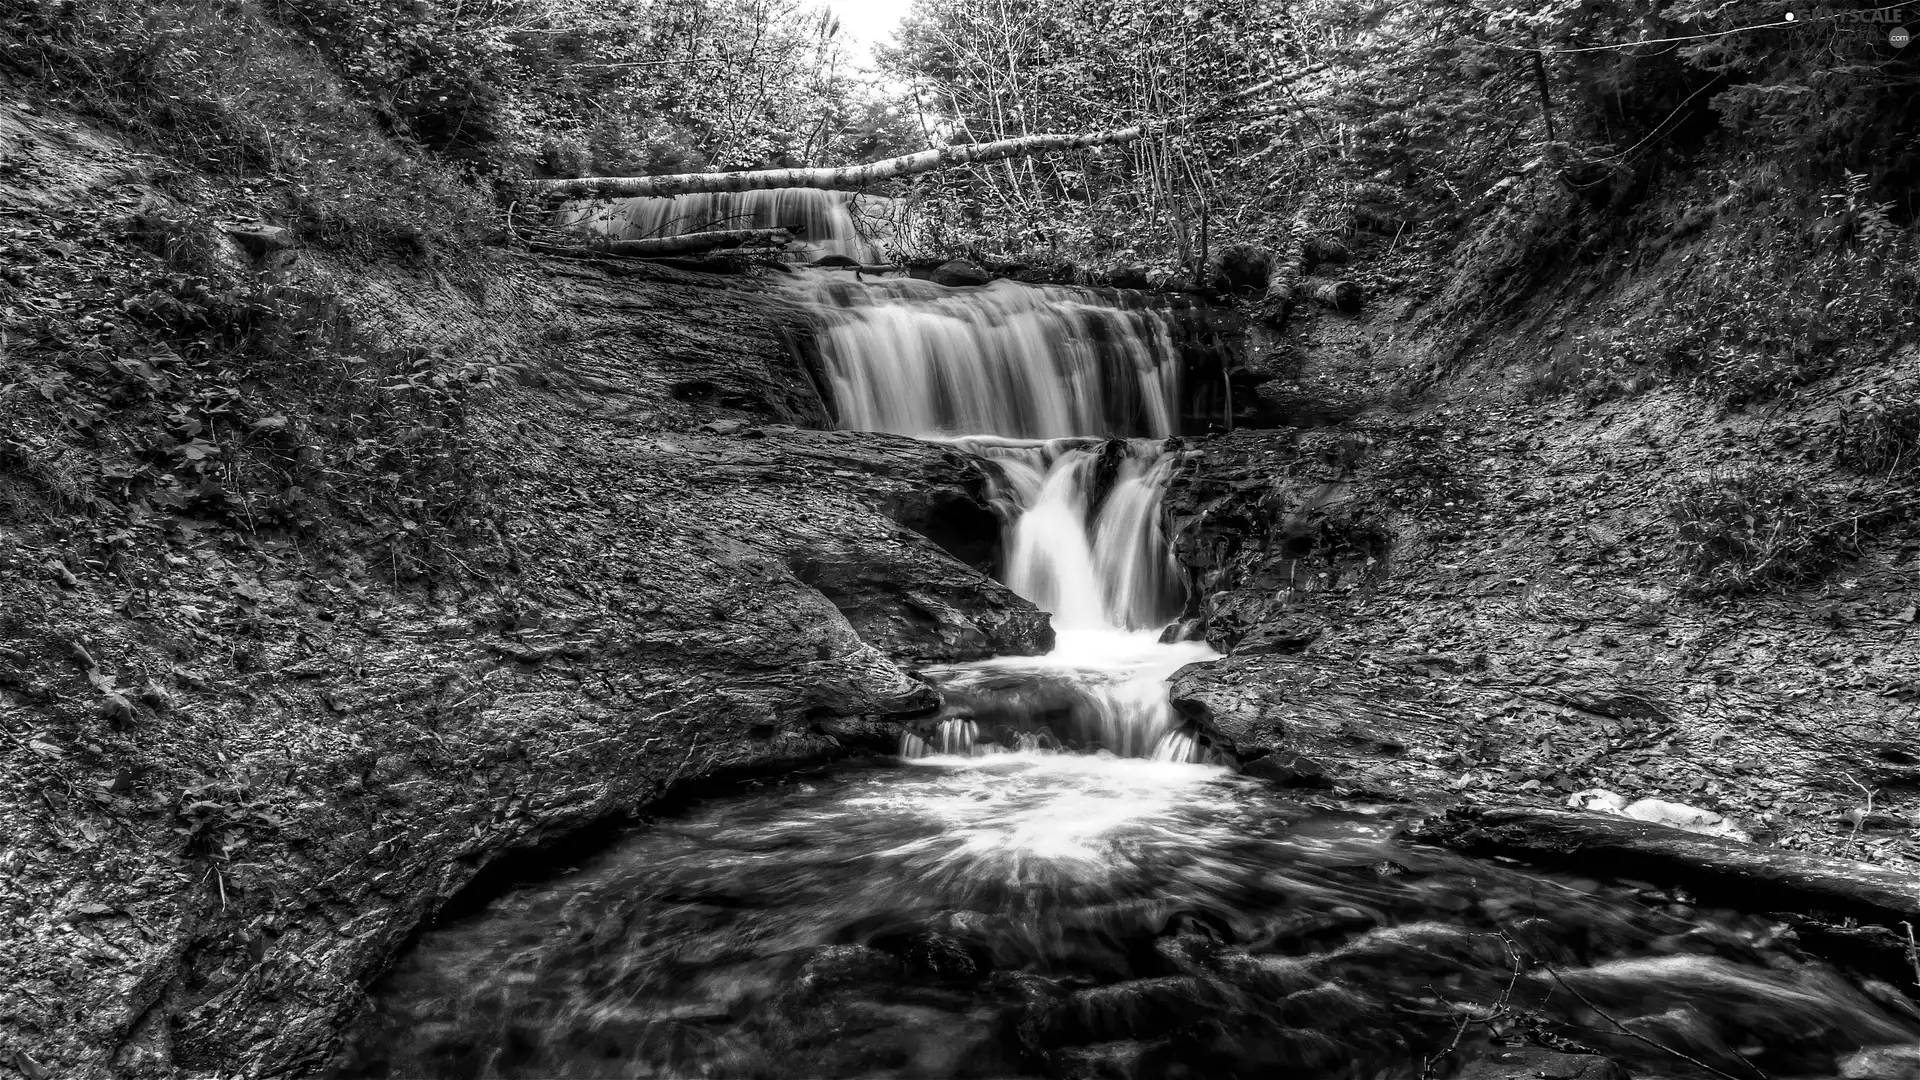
{"x": 1410, "y": 118}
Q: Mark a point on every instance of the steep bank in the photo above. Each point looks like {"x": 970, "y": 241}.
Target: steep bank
{"x": 1474, "y": 570}
{"x": 245, "y": 762}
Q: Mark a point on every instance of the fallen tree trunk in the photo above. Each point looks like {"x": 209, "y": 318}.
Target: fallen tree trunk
{"x": 1752, "y": 878}
{"x": 688, "y": 244}
{"x": 1288, "y": 267}
{"x": 1339, "y": 295}
{"x": 851, "y": 177}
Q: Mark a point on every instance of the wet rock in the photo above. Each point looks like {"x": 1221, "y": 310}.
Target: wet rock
{"x": 1141, "y": 1008}
{"x": 1882, "y": 1063}
{"x": 1539, "y": 1063}
{"x": 1268, "y": 976}
{"x": 837, "y": 965}
{"x": 959, "y": 273}
{"x": 1130, "y": 277}
{"x": 1287, "y": 769}
{"x": 942, "y": 957}
{"x": 1123, "y": 1059}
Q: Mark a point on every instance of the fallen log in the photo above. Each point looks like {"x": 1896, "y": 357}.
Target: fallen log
{"x": 1339, "y": 295}
{"x": 850, "y": 177}
{"x": 1726, "y": 871}
{"x": 1288, "y": 268}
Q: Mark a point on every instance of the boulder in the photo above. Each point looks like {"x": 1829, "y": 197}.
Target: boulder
{"x": 260, "y": 241}
{"x": 958, "y": 273}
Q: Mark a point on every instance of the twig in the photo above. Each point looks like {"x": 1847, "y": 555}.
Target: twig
{"x": 1859, "y": 816}
{"x": 1499, "y": 1010}
{"x": 1913, "y": 952}
{"x": 1660, "y": 1046}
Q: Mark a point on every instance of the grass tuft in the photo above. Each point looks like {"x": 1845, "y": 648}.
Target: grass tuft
{"x": 1879, "y": 430}
{"x": 1748, "y": 531}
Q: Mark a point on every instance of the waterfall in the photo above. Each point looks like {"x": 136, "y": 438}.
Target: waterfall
{"x": 830, "y": 223}
{"x": 1067, "y": 395}
{"x": 1032, "y": 362}
{"x": 1083, "y": 537}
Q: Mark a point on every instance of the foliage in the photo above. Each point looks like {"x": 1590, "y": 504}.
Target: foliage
{"x": 222, "y": 88}
{"x": 571, "y": 87}
{"x": 1596, "y": 368}
{"x": 981, "y": 70}
{"x": 1742, "y": 532}
{"x": 1879, "y": 428}
{"x": 189, "y": 390}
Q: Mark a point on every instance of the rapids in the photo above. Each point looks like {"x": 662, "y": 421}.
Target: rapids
{"x": 1055, "y": 879}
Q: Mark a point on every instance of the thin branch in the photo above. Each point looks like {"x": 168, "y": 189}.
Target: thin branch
{"x": 1657, "y": 1045}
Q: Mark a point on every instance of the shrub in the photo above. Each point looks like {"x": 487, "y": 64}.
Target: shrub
{"x": 1598, "y": 370}
{"x": 1747, "y": 531}
{"x": 1879, "y": 430}
{"x": 1553, "y": 377}
{"x": 222, "y": 88}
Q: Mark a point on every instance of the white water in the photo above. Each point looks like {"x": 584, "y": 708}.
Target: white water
{"x": 1018, "y": 361}
{"x": 1038, "y": 381}
{"x": 830, "y": 222}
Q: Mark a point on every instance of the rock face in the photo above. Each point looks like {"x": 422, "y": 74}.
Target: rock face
{"x": 302, "y": 754}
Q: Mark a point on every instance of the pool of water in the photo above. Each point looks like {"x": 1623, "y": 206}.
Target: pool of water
{"x": 1057, "y": 915}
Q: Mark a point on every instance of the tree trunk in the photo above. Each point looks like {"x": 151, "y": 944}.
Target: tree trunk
{"x": 850, "y": 177}
{"x": 1288, "y": 266}
{"x": 1339, "y": 295}
{"x": 688, "y": 244}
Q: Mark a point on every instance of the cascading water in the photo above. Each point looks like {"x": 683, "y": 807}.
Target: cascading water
{"x": 829, "y": 221}
{"x": 1042, "y": 383}
{"x": 1009, "y": 360}
{"x": 1000, "y": 908}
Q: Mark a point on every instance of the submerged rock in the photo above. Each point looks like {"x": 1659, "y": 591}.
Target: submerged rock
{"x": 1539, "y": 1063}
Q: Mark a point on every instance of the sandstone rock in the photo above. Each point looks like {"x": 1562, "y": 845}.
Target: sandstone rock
{"x": 959, "y": 273}
{"x": 263, "y": 240}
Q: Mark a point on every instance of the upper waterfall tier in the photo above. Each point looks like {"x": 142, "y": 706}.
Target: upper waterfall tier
{"x": 830, "y": 222}
{"x": 1035, "y": 362}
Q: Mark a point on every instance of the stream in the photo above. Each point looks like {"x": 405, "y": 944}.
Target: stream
{"x": 1055, "y": 878}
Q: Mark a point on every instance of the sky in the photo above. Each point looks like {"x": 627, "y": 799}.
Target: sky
{"x": 867, "y": 23}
